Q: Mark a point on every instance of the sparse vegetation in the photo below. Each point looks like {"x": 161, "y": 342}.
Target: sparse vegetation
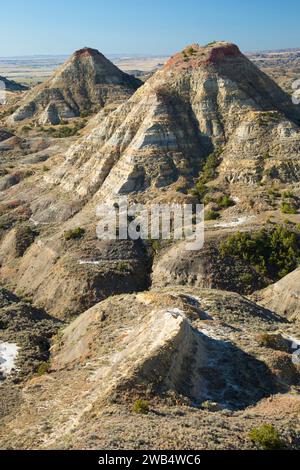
{"x": 271, "y": 341}
{"x": 274, "y": 253}
{"x": 85, "y": 114}
{"x": 267, "y": 117}
{"x": 141, "y": 407}
{"x": 155, "y": 245}
{"x": 200, "y": 190}
{"x": 181, "y": 189}
{"x": 212, "y": 215}
{"x": 43, "y": 368}
{"x": 64, "y": 131}
{"x": 191, "y": 51}
{"x": 288, "y": 195}
{"x": 123, "y": 266}
{"x": 208, "y": 173}
{"x": 288, "y": 222}
{"x": 266, "y": 437}
{"x": 266, "y": 156}
{"x": 288, "y": 208}
{"x": 8, "y": 112}
{"x": 273, "y": 192}
{"x": 25, "y": 236}
{"x": 246, "y": 278}
{"x": 26, "y": 129}
{"x": 212, "y": 43}
{"x": 74, "y": 234}
{"x": 225, "y": 201}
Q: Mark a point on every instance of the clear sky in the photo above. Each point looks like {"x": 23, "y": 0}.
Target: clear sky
{"x": 145, "y": 26}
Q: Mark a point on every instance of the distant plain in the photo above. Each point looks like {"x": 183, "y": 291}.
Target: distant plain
{"x": 33, "y": 69}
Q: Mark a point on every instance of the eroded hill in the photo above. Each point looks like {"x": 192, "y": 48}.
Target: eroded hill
{"x": 86, "y": 83}
{"x": 177, "y": 348}
{"x": 208, "y": 127}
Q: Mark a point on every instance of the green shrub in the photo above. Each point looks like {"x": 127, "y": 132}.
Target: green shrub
{"x": 74, "y": 234}
{"x": 207, "y": 174}
{"x": 266, "y": 340}
{"x": 274, "y": 192}
{"x": 191, "y": 51}
{"x": 212, "y": 215}
{"x": 273, "y": 341}
{"x": 65, "y": 131}
{"x": 246, "y": 278}
{"x": 207, "y": 199}
{"x": 212, "y": 43}
{"x": 266, "y": 437}
{"x": 85, "y": 114}
{"x": 266, "y": 117}
{"x": 141, "y": 407}
{"x": 209, "y": 171}
{"x": 200, "y": 190}
{"x": 288, "y": 208}
{"x": 26, "y": 129}
{"x": 225, "y": 201}
{"x": 274, "y": 252}
{"x": 288, "y": 195}
{"x": 123, "y": 266}
{"x": 266, "y": 156}
{"x": 181, "y": 189}
{"x": 155, "y": 245}
{"x": 43, "y": 368}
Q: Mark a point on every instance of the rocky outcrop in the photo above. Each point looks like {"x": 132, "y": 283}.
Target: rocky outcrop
{"x": 187, "y": 346}
{"x": 50, "y": 115}
{"x": 208, "y": 360}
{"x": 86, "y": 83}
{"x": 66, "y": 277}
{"x": 206, "y": 268}
{"x": 25, "y": 334}
{"x": 283, "y": 297}
{"x": 160, "y": 339}
{"x": 5, "y": 134}
{"x": 202, "y": 99}
{"x": 25, "y": 337}
{"x": 10, "y": 85}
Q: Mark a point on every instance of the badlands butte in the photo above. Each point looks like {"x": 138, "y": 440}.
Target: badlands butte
{"x": 141, "y": 344}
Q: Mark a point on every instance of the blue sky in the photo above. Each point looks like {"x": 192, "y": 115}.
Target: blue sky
{"x": 145, "y": 26}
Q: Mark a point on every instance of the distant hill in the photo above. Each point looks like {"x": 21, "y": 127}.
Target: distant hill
{"x": 10, "y": 85}
{"x": 84, "y": 84}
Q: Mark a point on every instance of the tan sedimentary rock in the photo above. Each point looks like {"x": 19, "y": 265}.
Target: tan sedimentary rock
{"x": 86, "y": 83}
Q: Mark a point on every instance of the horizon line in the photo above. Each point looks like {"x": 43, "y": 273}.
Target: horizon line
{"x": 139, "y": 54}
